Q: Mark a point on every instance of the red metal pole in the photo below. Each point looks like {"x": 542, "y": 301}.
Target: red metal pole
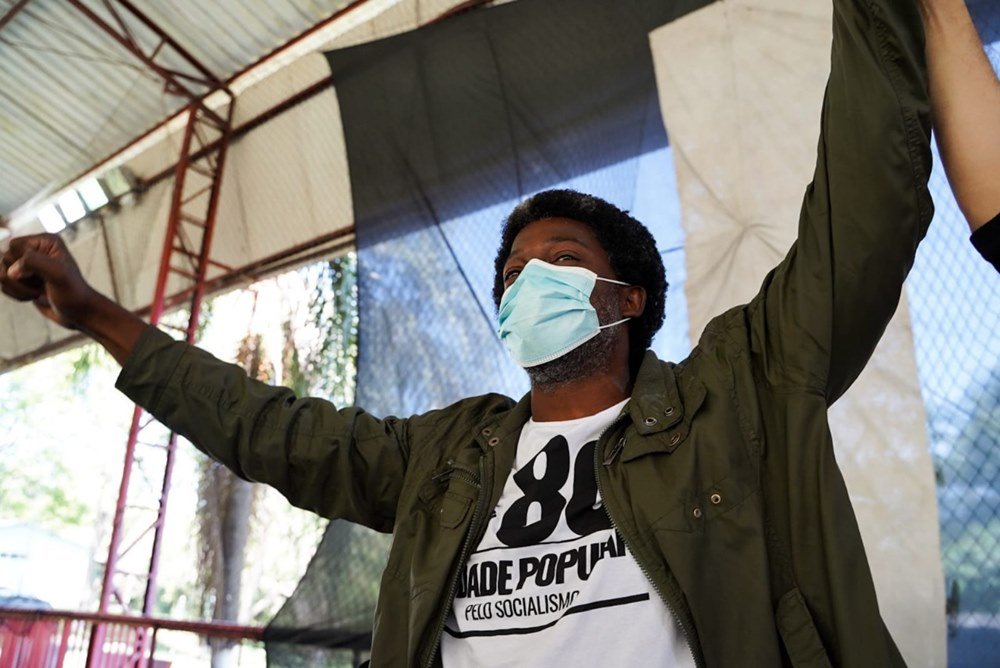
{"x": 206, "y": 243}
{"x": 175, "y": 82}
{"x": 215, "y": 82}
{"x": 12, "y": 12}
{"x": 180, "y": 173}
{"x": 149, "y": 599}
{"x": 174, "y": 241}
{"x": 107, "y": 585}
{"x": 213, "y": 629}
{"x": 152, "y": 647}
{"x": 64, "y": 643}
{"x": 197, "y": 297}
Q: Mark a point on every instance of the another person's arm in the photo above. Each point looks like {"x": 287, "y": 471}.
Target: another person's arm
{"x": 337, "y": 463}
{"x": 965, "y": 103}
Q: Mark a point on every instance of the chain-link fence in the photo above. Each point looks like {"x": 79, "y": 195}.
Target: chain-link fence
{"x": 955, "y": 309}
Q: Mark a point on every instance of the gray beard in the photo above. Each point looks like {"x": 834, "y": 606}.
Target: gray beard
{"x": 588, "y": 359}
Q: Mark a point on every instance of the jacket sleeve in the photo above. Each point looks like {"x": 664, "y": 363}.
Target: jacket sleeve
{"x": 987, "y": 241}
{"x": 821, "y": 311}
{"x": 338, "y": 463}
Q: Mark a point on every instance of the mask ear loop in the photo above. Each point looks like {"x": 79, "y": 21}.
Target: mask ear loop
{"x": 618, "y": 322}
{"x": 612, "y": 324}
{"x": 611, "y": 280}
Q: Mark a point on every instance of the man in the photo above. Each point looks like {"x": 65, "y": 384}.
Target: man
{"x": 966, "y": 109}
{"x": 627, "y": 511}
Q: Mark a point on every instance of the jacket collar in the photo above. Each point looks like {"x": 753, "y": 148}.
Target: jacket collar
{"x": 655, "y": 405}
{"x": 504, "y": 426}
{"x": 656, "y": 401}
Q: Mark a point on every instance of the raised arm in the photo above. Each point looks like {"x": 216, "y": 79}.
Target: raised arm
{"x": 338, "y": 463}
{"x": 965, "y": 102}
{"x": 820, "y": 313}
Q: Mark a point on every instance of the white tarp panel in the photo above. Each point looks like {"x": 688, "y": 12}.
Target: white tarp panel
{"x": 741, "y": 86}
{"x": 284, "y": 184}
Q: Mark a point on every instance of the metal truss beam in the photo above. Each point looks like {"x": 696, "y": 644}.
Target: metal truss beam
{"x": 12, "y": 12}
{"x": 184, "y": 266}
{"x": 130, "y": 579}
{"x": 182, "y": 73}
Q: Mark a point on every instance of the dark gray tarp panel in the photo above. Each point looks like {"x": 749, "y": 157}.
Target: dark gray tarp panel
{"x": 446, "y": 129}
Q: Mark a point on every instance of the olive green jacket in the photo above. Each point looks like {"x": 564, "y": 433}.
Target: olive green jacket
{"x": 720, "y": 476}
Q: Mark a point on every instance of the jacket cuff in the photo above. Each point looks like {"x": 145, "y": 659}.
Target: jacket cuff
{"x": 987, "y": 241}
{"x": 150, "y": 367}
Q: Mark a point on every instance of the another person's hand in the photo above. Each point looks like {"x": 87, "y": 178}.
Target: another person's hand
{"x": 40, "y": 269}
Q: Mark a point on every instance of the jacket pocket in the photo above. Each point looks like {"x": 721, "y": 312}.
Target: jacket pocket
{"x": 798, "y": 632}
{"x": 454, "y": 508}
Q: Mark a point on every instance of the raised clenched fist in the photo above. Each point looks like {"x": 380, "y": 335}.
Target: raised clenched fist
{"x": 40, "y": 269}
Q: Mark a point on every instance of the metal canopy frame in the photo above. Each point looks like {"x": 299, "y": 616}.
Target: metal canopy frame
{"x": 12, "y": 12}
{"x": 185, "y": 259}
{"x": 183, "y": 276}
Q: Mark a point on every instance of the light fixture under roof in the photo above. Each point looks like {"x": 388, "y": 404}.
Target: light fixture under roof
{"x": 71, "y": 206}
{"x": 93, "y": 194}
{"x": 118, "y": 185}
{"x": 119, "y": 181}
{"x": 51, "y": 219}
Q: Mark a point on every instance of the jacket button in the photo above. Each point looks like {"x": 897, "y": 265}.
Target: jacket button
{"x": 675, "y": 439}
{"x": 669, "y": 410}
{"x": 716, "y": 498}
{"x": 487, "y": 431}
{"x": 493, "y": 441}
{"x": 696, "y": 512}
{"x": 650, "y": 421}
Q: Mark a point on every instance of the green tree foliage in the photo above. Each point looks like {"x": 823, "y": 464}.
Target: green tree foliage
{"x": 36, "y": 485}
{"x": 318, "y": 350}
{"x": 38, "y": 494}
{"x": 327, "y": 359}
{"x": 89, "y": 357}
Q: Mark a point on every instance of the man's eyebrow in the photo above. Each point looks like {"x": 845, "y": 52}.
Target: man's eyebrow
{"x": 578, "y": 240}
{"x": 551, "y": 240}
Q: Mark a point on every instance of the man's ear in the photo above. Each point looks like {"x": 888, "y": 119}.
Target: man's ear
{"x": 635, "y": 301}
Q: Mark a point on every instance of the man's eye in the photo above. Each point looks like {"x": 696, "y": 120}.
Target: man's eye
{"x": 511, "y": 275}
{"x": 565, "y": 256}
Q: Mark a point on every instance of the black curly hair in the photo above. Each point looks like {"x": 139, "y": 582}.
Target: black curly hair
{"x": 629, "y": 245}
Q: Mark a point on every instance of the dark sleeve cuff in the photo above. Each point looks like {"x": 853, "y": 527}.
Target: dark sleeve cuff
{"x": 987, "y": 241}
{"x": 149, "y": 367}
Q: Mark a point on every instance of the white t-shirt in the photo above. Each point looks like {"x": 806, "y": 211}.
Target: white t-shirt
{"x": 551, "y": 582}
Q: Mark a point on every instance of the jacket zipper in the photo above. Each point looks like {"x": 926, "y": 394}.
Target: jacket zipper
{"x": 455, "y": 470}
{"x": 607, "y": 462}
{"x": 470, "y": 537}
{"x": 615, "y": 451}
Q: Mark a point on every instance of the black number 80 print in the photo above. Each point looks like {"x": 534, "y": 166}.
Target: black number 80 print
{"x": 582, "y": 517}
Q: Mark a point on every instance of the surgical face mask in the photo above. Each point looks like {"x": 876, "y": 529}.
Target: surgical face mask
{"x": 547, "y": 312}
